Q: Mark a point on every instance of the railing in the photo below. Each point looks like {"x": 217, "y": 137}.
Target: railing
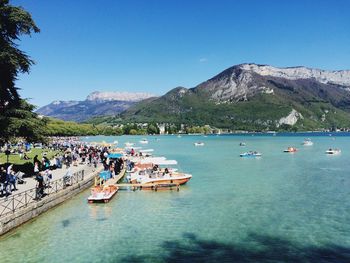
{"x": 15, "y": 202}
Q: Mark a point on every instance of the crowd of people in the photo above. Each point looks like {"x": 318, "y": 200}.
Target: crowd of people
{"x": 72, "y": 152}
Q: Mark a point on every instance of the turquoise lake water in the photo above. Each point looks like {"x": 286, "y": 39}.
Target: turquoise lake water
{"x": 279, "y": 208}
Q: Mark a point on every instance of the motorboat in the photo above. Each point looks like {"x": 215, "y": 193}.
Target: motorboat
{"x": 144, "y": 141}
{"x": 251, "y": 154}
{"x": 242, "y": 144}
{"x": 152, "y": 171}
{"x": 129, "y": 144}
{"x": 290, "y": 150}
{"x": 160, "y": 177}
{"x": 333, "y": 151}
{"x": 102, "y": 193}
{"x": 199, "y": 144}
{"x": 307, "y": 142}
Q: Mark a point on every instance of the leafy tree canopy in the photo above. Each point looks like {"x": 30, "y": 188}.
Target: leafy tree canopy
{"x": 14, "y": 22}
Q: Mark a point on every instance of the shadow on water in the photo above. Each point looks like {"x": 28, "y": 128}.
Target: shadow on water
{"x": 256, "y": 248}
{"x": 101, "y": 219}
{"x": 65, "y": 222}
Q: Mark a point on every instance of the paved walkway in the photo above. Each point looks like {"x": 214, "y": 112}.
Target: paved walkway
{"x": 16, "y": 201}
{"x": 30, "y": 182}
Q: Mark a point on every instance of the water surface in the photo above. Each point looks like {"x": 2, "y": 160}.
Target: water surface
{"x": 282, "y": 208}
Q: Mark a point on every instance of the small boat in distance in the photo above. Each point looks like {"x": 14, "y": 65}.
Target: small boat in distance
{"x": 307, "y": 142}
{"x": 251, "y": 154}
{"x": 144, "y": 141}
{"x": 333, "y": 151}
{"x": 129, "y": 144}
{"x": 199, "y": 144}
{"x": 290, "y": 150}
{"x": 242, "y": 144}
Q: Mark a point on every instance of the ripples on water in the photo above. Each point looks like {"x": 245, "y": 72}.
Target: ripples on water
{"x": 279, "y": 208}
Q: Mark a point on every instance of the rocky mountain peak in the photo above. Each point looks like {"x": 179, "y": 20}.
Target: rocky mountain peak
{"x": 120, "y": 96}
{"x": 339, "y": 77}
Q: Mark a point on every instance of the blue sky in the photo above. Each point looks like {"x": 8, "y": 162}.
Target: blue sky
{"x": 156, "y": 45}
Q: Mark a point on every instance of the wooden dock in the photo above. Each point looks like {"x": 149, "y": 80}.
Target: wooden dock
{"x": 111, "y": 181}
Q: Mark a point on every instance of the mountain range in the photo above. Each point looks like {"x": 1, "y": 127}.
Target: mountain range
{"x": 96, "y": 104}
{"x": 252, "y": 97}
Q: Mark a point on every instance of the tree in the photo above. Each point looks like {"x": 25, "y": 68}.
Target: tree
{"x": 21, "y": 122}
{"x": 14, "y": 22}
{"x": 152, "y": 129}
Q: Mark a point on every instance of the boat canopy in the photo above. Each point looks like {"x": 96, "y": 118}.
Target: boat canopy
{"x": 131, "y": 147}
{"x": 146, "y": 150}
{"x": 159, "y": 161}
{"x": 105, "y": 175}
{"x": 115, "y": 155}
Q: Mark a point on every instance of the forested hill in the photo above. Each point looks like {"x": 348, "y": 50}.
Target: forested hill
{"x": 255, "y": 97}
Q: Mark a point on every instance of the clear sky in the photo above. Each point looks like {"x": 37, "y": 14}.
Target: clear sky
{"x": 156, "y": 45}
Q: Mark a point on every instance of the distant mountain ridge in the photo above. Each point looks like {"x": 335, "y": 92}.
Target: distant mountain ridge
{"x": 96, "y": 104}
{"x": 242, "y": 97}
{"x": 119, "y": 96}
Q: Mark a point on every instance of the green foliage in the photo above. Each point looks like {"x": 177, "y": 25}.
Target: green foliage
{"x": 152, "y": 129}
{"x": 21, "y": 122}
{"x": 14, "y": 22}
{"x": 16, "y": 115}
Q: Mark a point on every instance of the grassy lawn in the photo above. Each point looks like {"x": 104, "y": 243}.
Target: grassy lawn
{"x": 14, "y": 158}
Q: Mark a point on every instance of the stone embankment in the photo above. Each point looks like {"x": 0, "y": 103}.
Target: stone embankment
{"x": 22, "y": 208}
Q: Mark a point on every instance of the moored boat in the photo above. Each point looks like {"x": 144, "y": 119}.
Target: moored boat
{"x": 307, "y": 142}
{"x": 251, "y": 154}
{"x": 242, "y": 144}
{"x": 159, "y": 177}
{"x": 129, "y": 144}
{"x": 144, "y": 141}
{"x": 102, "y": 193}
{"x": 290, "y": 150}
{"x": 199, "y": 144}
{"x": 333, "y": 151}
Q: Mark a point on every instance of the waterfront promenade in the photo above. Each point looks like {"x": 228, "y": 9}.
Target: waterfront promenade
{"x": 31, "y": 183}
{"x": 23, "y": 205}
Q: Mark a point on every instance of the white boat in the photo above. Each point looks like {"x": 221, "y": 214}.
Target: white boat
{"x": 144, "y": 141}
{"x": 242, "y": 144}
{"x": 129, "y": 144}
{"x": 102, "y": 193}
{"x": 115, "y": 142}
{"x": 199, "y": 144}
{"x": 159, "y": 177}
{"x": 307, "y": 142}
{"x": 250, "y": 154}
{"x": 333, "y": 151}
{"x": 146, "y": 151}
{"x": 179, "y": 136}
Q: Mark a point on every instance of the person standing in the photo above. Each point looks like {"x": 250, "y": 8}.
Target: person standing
{"x": 36, "y": 160}
{"x": 3, "y": 184}
{"x": 39, "y": 186}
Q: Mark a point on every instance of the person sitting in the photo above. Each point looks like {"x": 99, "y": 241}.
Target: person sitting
{"x": 25, "y": 157}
